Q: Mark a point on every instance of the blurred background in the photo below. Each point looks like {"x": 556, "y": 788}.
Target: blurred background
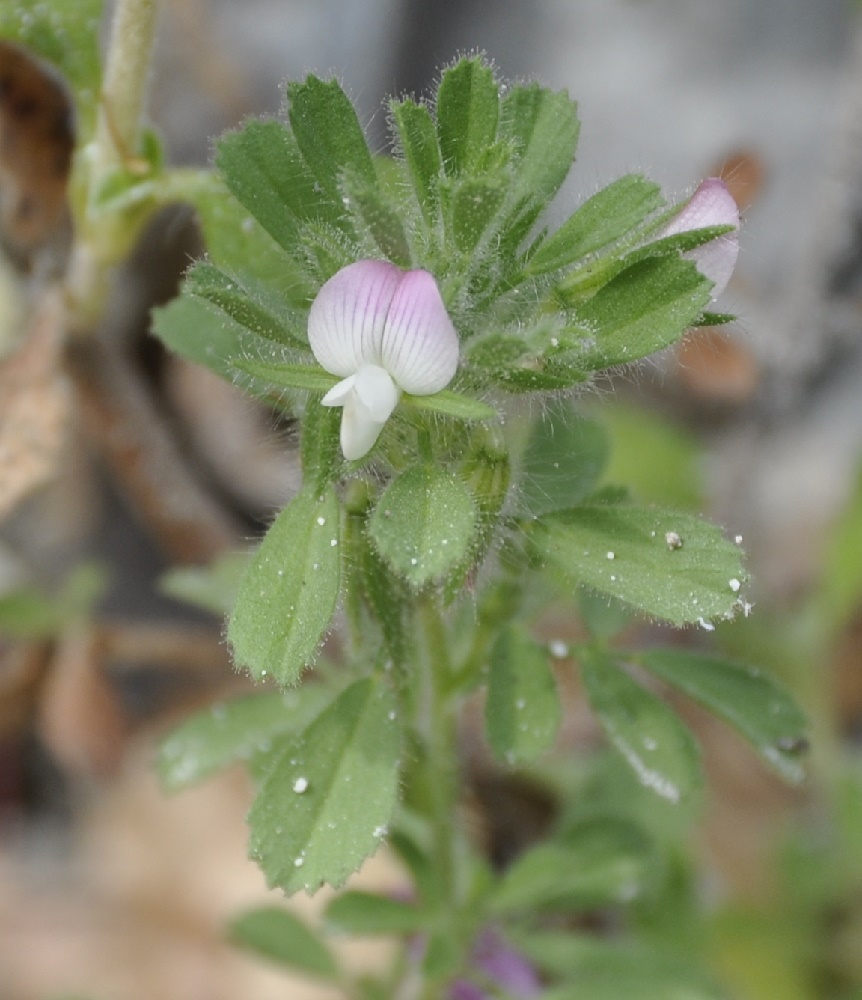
{"x": 108, "y": 889}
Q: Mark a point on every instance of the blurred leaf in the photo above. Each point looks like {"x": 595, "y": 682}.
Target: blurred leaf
{"x": 328, "y": 797}
{"x": 623, "y": 551}
{"x": 839, "y": 595}
{"x": 600, "y": 222}
{"x": 522, "y": 710}
{"x": 751, "y": 701}
{"x": 657, "y": 745}
{"x": 423, "y": 523}
{"x": 29, "y": 612}
{"x": 468, "y": 109}
{"x": 234, "y": 731}
{"x": 66, "y": 33}
{"x": 364, "y": 913}
{"x": 283, "y": 938}
{"x": 213, "y": 588}
{"x": 603, "y": 615}
{"x": 288, "y": 593}
{"x": 563, "y": 461}
{"x": 598, "y": 863}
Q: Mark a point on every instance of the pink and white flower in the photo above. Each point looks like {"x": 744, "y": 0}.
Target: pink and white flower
{"x": 384, "y": 331}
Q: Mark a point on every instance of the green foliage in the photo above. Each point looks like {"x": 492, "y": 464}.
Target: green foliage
{"x": 288, "y": 592}
{"x": 283, "y": 938}
{"x": 364, "y": 913}
{"x": 328, "y": 796}
{"x": 212, "y": 588}
{"x": 29, "y": 612}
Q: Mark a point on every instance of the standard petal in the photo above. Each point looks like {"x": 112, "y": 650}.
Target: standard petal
{"x": 420, "y": 345}
{"x": 712, "y": 204}
{"x": 346, "y": 320}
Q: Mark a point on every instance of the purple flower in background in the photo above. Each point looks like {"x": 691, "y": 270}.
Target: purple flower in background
{"x": 384, "y": 331}
{"x": 502, "y": 965}
{"x": 712, "y": 204}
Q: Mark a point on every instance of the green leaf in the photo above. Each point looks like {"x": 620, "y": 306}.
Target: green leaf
{"x": 543, "y": 126}
{"x": 600, "y": 862}
{"x": 657, "y": 745}
{"x": 234, "y": 731}
{"x": 364, "y": 913}
{"x": 600, "y": 222}
{"x": 375, "y": 215}
{"x": 470, "y": 205}
{"x": 451, "y": 404}
{"x": 417, "y": 137}
{"x": 213, "y": 588}
{"x": 308, "y": 377}
{"x": 66, "y": 33}
{"x": 603, "y": 615}
{"x": 27, "y": 612}
{"x": 328, "y": 797}
{"x": 522, "y": 710}
{"x": 283, "y": 938}
{"x": 329, "y": 134}
{"x": 264, "y": 168}
{"x": 643, "y": 309}
{"x": 321, "y": 451}
{"x": 468, "y": 109}
{"x": 289, "y": 591}
{"x": 751, "y": 701}
{"x": 424, "y": 523}
{"x": 624, "y": 551}
{"x": 565, "y": 456}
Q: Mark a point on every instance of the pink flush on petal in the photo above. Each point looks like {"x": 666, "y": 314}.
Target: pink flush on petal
{"x": 712, "y": 204}
{"x": 385, "y": 331}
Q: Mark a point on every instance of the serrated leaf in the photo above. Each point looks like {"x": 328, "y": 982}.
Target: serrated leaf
{"x": 328, "y": 134}
{"x": 417, "y": 138}
{"x": 233, "y": 731}
{"x": 565, "y": 456}
{"x": 365, "y": 913}
{"x": 327, "y": 799}
{"x": 522, "y": 710}
{"x": 451, "y": 404}
{"x": 288, "y": 593}
{"x": 66, "y": 33}
{"x": 646, "y": 307}
{"x": 624, "y": 551}
{"x": 751, "y": 701}
{"x": 423, "y": 523}
{"x": 468, "y": 110}
{"x": 283, "y": 938}
{"x": 264, "y": 168}
{"x": 650, "y": 736}
{"x": 600, "y": 222}
{"x": 600, "y": 862}
{"x": 213, "y": 588}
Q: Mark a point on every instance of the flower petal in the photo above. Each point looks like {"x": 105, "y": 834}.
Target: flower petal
{"x": 359, "y": 429}
{"x": 368, "y": 397}
{"x": 346, "y": 320}
{"x": 712, "y": 204}
{"x": 378, "y": 393}
{"x": 420, "y": 345}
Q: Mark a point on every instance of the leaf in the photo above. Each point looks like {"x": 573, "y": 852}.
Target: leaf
{"x": 288, "y": 594}
{"x": 417, "y": 137}
{"x": 283, "y": 938}
{"x": 470, "y": 205}
{"x": 648, "y": 734}
{"x": 233, "y": 731}
{"x": 329, "y": 134}
{"x": 624, "y": 551}
{"x": 213, "y": 588}
{"x": 522, "y": 710}
{"x": 328, "y": 797}
{"x": 600, "y": 222}
{"x": 468, "y": 110}
{"x": 423, "y": 523}
{"x": 309, "y": 377}
{"x": 264, "y": 168}
{"x": 451, "y": 404}
{"x": 320, "y": 450}
{"x": 28, "y": 612}
{"x": 66, "y": 33}
{"x": 565, "y": 456}
{"x": 643, "y": 309}
{"x": 600, "y": 862}
{"x": 375, "y": 214}
{"x": 364, "y": 913}
{"x": 751, "y": 701}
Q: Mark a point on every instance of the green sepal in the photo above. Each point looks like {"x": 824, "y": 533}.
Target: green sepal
{"x": 328, "y": 796}
{"x": 275, "y": 934}
{"x": 751, "y": 701}
{"x": 649, "y": 735}
{"x": 288, "y": 593}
